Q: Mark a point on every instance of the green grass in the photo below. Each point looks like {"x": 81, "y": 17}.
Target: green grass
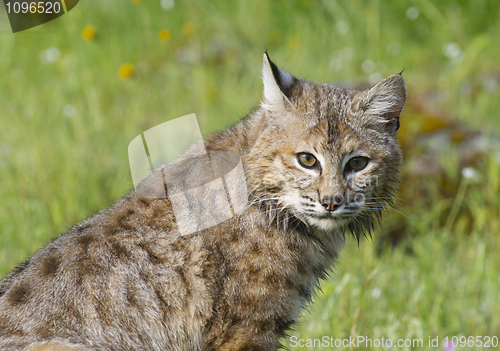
{"x": 447, "y": 287}
{"x": 56, "y": 170}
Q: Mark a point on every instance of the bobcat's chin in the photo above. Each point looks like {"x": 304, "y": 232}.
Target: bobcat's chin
{"x": 327, "y": 223}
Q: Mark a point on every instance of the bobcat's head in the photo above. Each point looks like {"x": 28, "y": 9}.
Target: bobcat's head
{"x": 325, "y": 158}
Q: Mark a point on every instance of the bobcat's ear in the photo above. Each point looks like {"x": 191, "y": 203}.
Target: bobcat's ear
{"x": 383, "y": 103}
{"x": 277, "y": 84}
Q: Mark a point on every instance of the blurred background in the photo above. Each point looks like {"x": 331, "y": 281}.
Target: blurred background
{"x": 74, "y": 92}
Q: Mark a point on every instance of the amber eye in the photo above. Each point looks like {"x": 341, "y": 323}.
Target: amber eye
{"x": 307, "y": 160}
{"x": 357, "y": 163}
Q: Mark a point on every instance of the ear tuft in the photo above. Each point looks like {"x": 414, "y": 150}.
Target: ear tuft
{"x": 384, "y": 102}
{"x": 277, "y": 84}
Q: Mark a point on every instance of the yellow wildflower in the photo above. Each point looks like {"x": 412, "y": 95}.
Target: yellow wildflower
{"x": 164, "y": 35}
{"x": 136, "y": 1}
{"x": 88, "y": 33}
{"x": 125, "y": 71}
{"x": 188, "y": 29}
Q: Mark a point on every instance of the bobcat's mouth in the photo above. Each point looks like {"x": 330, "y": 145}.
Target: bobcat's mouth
{"x": 314, "y": 214}
{"x": 330, "y": 220}
{"x": 332, "y": 216}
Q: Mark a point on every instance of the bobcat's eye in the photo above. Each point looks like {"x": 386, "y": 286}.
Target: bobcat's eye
{"x": 357, "y": 163}
{"x": 307, "y": 160}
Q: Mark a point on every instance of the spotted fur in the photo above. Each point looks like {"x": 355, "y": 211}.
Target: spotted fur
{"x": 126, "y": 279}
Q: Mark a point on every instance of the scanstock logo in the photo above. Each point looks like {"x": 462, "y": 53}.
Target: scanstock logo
{"x": 25, "y": 14}
{"x": 205, "y": 188}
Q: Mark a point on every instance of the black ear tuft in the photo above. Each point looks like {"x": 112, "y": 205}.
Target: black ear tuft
{"x": 284, "y": 80}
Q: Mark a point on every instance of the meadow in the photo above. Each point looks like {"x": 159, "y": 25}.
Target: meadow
{"x": 74, "y": 92}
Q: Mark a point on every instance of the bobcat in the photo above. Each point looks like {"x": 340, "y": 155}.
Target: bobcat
{"x": 127, "y": 279}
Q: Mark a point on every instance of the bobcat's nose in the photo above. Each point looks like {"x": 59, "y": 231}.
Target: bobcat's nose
{"x": 331, "y": 203}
